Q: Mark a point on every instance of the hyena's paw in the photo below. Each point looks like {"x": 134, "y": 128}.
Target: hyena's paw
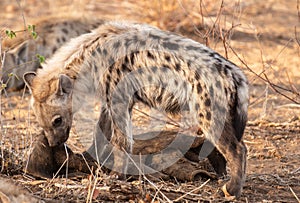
{"x": 231, "y": 194}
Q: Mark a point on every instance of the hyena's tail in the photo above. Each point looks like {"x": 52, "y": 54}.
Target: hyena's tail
{"x": 240, "y": 114}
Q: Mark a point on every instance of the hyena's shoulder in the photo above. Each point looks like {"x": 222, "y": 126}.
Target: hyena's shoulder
{"x": 52, "y": 34}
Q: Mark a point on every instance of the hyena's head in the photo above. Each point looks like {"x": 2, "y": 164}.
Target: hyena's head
{"x": 52, "y": 105}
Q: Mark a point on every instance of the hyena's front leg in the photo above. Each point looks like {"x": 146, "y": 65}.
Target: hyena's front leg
{"x": 112, "y": 138}
{"x": 101, "y": 148}
{"x": 121, "y": 139}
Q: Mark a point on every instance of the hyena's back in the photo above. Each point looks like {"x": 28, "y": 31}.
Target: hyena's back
{"x": 199, "y": 71}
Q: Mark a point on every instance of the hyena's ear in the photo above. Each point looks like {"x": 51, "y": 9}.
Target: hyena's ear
{"x": 28, "y": 78}
{"x": 65, "y": 85}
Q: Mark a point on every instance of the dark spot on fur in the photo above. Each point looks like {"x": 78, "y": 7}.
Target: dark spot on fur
{"x": 192, "y": 48}
{"x": 111, "y": 61}
{"x": 219, "y": 60}
{"x": 211, "y": 91}
{"x": 107, "y": 88}
{"x": 127, "y": 42}
{"x": 111, "y": 68}
{"x": 226, "y": 91}
{"x": 124, "y": 68}
{"x": 197, "y": 76}
{"x": 206, "y": 60}
{"x": 150, "y": 79}
{"x": 154, "y": 36}
{"x": 94, "y": 53}
{"x": 201, "y": 115}
{"x": 171, "y": 46}
{"x": 228, "y": 67}
{"x": 197, "y": 106}
{"x": 207, "y": 102}
{"x": 154, "y": 69}
{"x": 219, "y": 67}
{"x": 132, "y": 59}
{"x": 218, "y": 84}
{"x": 140, "y": 71}
{"x": 58, "y": 40}
{"x": 116, "y": 44}
{"x": 95, "y": 68}
{"x": 199, "y": 88}
{"x": 65, "y": 31}
{"x": 237, "y": 80}
{"x": 135, "y": 38}
{"x": 63, "y": 39}
{"x": 165, "y": 68}
{"x": 116, "y": 82}
{"x": 177, "y": 67}
{"x": 104, "y": 52}
{"x": 168, "y": 58}
{"x": 176, "y": 82}
{"x": 54, "y": 49}
{"x": 119, "y": 72}
{"x": 184, "y": 84}
{"x": 189, "y": 63}
{"x": 173, "y": 105}
{"x": 208, "y": 115}
{"x": 142, "y": 43}
{"x": 160, "y": 96}
{"x": 108, "y": 78}
{"x": 150, "y": 55}
{"x": 126, "y": 60}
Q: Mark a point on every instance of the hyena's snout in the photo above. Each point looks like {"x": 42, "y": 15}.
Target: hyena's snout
{"x": 57, "y": 137}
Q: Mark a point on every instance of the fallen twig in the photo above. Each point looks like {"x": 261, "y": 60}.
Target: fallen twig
{"x": 294, "y": 194}
{"x": 191, "y": 192}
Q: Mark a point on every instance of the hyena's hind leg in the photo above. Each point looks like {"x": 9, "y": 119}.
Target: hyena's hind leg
{"x": 235, "y": 153}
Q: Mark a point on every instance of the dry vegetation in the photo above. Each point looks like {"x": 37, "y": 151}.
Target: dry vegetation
{"x": 263, "y": 37}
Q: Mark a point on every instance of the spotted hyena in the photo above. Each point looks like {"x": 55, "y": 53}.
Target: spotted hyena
{"x": 52, "y": 34}
{"x": 125, "y": 63}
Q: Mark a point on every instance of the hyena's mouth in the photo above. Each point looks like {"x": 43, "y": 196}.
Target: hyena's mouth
{"x": 67, "y": 134}
{"x": 68, "y": 131}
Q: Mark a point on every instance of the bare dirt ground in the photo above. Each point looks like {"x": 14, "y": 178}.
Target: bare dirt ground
{"x": 264, "y": 37}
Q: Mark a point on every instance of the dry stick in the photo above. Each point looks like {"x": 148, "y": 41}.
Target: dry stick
{"x": 156, "y": 194}
{"x": 209, "y": 31}
{"x": 151, "y": 183}
{"x": 22, "y": 13}
{"x": 298, "y": 9}
{"x": 294, "y": 194}
{"x": 92, "y": 190}
{"x": 85, "y": 161}
{"x": 191, "y": 192}
{"x": 274, "y": 88}
{"x": 2, "y": 64}
{"x": 296, "y": 37}
{"x": 259, "y": 74}
{"x": 292, "y": 86}
{"x": 212, "y": 30}
{"x": 272, "y": 85}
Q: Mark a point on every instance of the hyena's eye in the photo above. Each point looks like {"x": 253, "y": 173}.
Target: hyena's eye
{"x": 56, "y": 121}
